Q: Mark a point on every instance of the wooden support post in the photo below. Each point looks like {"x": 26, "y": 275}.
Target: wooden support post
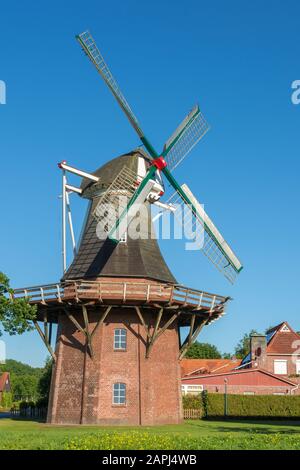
{"x": 191, "y": 329}
{"x": 101, "y": 320}
{"x": 74, "y": 321}
{"x": 46, "y": 342}
{"x": 191, "y": 337}
{"x": 139, "y": 313}
{"x": 167, "y": 324}
{"x": 86, "y": 330}
{"x": 50, "y": 333}
{"x": 157, "y": 333}
{"x": 152, "y": 339}
{"x": 46, "y": 326}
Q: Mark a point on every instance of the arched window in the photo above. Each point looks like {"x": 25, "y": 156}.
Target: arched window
{"x": 119, "y": 394}
{"x": 120, "y": 339}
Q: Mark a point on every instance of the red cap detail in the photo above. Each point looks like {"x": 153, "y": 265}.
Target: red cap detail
{"x": 160, "y": 163}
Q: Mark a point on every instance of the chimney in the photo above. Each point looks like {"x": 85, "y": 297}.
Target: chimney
{"x": 258, "y": 351}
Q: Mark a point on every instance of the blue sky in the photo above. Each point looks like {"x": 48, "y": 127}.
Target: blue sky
{"x": 236, "y": 58}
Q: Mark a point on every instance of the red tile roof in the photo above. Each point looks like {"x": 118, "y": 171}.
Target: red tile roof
{"x": 232, "y": 373}
{"x": 3, "y": 379}
{"x": 207, "y": 366}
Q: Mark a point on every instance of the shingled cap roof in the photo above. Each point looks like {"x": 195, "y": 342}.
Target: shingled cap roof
{"x": 96, "y": 258}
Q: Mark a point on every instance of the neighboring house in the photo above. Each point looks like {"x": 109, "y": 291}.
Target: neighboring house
{"x": 277, "y": 352}
{"x": 271, "y": 367}
{"x": 4, "y": 384}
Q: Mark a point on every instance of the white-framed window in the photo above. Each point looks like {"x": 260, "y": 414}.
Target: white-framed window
{"x": 298, "y": 367}
{"x": 191, "y": 389}
{"x": 280, "y": 367}
{"x": 120, "y": 339}
{"x": 249, "y": 393}
{"x": 119, "y": 394}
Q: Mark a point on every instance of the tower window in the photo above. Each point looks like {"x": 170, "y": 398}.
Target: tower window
{"x": 119, "y": 394}
{"x": 120, "y": 339}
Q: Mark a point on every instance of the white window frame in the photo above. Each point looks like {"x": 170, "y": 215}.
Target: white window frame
{"x": 277, "y": 362}
{"x": 120, "y": 339}
{"x": 192, "y": 389}
{"x": 298, "y": 366}
{"x": 119, "y": 394}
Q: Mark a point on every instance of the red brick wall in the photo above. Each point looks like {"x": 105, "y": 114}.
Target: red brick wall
{"x": 81, "y": 390}
{"x": 291, "y": 366}
{"x": 239, "y": 383}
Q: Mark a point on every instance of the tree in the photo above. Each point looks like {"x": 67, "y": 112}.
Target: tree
{"x": 243, "y": 347}
{"x": 45, "y": 381}
{"x": 203, "y": 351}
{"x": 24, "y": 379}
{"x": 24, "y": 387}
{"x": 15, "y": 314}
{"x": 226, "y": 355}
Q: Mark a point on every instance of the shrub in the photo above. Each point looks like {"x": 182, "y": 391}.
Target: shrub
{"x": 6, "y": 400}
{"x": 192, "y": 402}
{"x": 267, "y": 406}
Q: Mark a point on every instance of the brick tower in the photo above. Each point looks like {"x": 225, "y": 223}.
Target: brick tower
{"x": 119, "y": 312}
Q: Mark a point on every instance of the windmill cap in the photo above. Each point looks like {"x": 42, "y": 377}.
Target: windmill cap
{"x": 108, "y": 172}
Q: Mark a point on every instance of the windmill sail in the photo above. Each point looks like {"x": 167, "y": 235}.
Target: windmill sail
{"x": 89, "y": 46}
{"x": 186, "y": 136}
{"x": 213, "y": 244}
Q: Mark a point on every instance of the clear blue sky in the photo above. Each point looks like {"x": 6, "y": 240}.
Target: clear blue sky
{"x": 236, "y": 58}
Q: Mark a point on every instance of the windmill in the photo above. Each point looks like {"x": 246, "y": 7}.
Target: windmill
{"x": 177, "y": 147}
{"x": 118, "y": 302}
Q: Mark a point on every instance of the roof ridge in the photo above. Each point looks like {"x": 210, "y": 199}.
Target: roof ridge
{"x": 242, "y": 371}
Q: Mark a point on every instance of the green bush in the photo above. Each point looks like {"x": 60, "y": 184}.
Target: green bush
{"x": 266, "y": 406}
{"x": 192, "y": 402}
{"x": 6, "y": 400}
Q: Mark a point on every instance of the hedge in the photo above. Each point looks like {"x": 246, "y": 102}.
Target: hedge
{"x": 244, "y": 406}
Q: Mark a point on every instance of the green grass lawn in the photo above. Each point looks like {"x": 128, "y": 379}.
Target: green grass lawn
{"x": 17, "y": 434}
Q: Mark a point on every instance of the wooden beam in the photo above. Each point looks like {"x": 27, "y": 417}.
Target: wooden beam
{"x": 156, "y": 334}
{"x": 101, "y": 320}
{"x": 47, "y": 344}
{"x": 191, "y": 329}
{"x": 46, "y": 325}
{"x": 87, "y": 330}
{"x": 158, "y": 318}
{"x": 74, "y": 321}
{"x": 189, "y": 341}
{"x": 138, "y": 311}
{"x": 167, "y": 324}
{"x": 50, "y": 332}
